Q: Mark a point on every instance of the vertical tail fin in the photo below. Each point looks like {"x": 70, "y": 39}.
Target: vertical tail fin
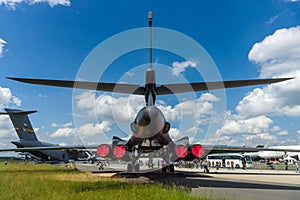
{"x": 21, "y": 123}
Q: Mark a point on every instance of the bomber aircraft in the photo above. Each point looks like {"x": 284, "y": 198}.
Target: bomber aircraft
{"x": 150, "y": 130}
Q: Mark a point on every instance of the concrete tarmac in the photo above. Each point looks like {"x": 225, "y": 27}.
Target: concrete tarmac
{"x": 219, "y": 184}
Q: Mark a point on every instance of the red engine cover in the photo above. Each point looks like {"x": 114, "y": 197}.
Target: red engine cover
{"x": 198, "y": 150}
{"x": 119, "y": 151}
{"x": 103, "y": 150}
{"x": 181, "y": 151}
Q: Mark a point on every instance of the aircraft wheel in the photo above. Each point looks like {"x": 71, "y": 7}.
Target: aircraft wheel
{"x": 137, "y": 167}
{"x": 171, "y": 168}
{"x": 129, "y": 168}
{"x": 164, "y": 168}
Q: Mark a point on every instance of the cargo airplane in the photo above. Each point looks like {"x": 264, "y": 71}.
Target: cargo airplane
{"x": 28, "y": 139}
{"x": 150, "y": 130}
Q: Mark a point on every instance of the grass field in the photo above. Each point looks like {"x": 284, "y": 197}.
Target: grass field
{"x": 42, "y": 181}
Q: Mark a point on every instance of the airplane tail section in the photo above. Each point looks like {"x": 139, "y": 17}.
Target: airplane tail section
{"x": 21, "y": 123}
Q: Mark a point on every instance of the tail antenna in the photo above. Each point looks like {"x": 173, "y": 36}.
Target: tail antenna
{"x": 150, "y": 39}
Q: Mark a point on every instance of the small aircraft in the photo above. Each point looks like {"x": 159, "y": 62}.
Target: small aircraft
{"x": 150, "y": 128}
{"x": 28, "y": 139}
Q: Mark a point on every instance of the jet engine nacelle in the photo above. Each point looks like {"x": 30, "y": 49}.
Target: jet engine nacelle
{"x": 114, "y": 152}
{"x": 189, "y": 153}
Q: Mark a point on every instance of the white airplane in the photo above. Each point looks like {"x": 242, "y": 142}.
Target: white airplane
{"x": 280, "y": 154}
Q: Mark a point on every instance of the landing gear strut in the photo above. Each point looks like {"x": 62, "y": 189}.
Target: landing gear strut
{"x": 133, "y": 166}
{"x": 168, "y": 167}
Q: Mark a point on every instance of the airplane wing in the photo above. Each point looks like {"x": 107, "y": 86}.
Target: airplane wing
{"x": 49, "y": 148}
{"x": 140, "y": 90}
{"x": 200, "y": 86}
{"x": 216, "y": 148}
{"x": 220, "y": 148}
{"x": 108, "y": 87}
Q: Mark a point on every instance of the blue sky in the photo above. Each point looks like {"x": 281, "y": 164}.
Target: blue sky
{"x": 245, "y": 39}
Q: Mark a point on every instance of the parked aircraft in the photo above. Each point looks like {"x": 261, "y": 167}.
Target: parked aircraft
{"x": 150, "y": 128}
{"x": 279, "y": 153}
{"x": 28, "y": 139}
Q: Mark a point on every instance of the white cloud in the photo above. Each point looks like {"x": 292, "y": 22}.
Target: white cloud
{"x": 278, "y": 55}
{"x": 179, "y": 67}
{"x": 108, "y": 107}
{"x": 63, "y": 132}
{"x": 2, "y": 44}
{"x": 282, "y": 133}
{"x": 259, "y": 138}
{"x": 199, "y": 107}
{"x": 6, "y": 98}
{"x": 120, "y": 111}
{"x": 90, "y": 129}
{"x": 6, "y": 127}
{"x": 3, "y": 145}
{"x": 86, "y": 130}
{"x": 276, "y": 128}
{"x": 7, "y": 132}
{"x": 13, "y": 3}
{"x": 234, "y": 124}
{"x": 282, "y": 45}
{"x": 175, "y": 134}
{"x": 68, "y": 124}
{"x": 124, "y": 109}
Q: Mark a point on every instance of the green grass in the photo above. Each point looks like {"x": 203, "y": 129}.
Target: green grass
{"x": 41, "y": 181}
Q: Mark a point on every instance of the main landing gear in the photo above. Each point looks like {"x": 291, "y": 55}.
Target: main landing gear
{"x": 133, "y": 167}
{"x": 168, "y": 168}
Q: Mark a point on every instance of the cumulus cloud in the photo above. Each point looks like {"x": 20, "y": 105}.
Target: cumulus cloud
{"x": 13, "y": 3}
{"x": 259, "y": 138}
{"x": 6, "y": 98}
{"x": 110, "y": 108}
{"x": 90, "y": 129}
{"x": 199, "y": 107}
{"x": 124, "y": 109}
{"x": 55, "y": 125}
{"x": 175, "y": 134}
{"x": 63, "y": 132}
{"x": 237, "y": 125}
{"x": 120, "y": 111}
{"x": 86, "y": 130}
{"x": 278, "y": 55}
{"x": 6, "y": 127}
{"x": 282, "y": 133}
{"x": 2, "y": 44}
{"x": 179, "y": 67}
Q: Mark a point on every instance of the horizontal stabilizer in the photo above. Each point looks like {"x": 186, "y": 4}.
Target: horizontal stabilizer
{"x": 108, "y": 87}
{"x": 140, "y": 90}
{"x": 15, "y": 111}
{"x": 200, "y": 86}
